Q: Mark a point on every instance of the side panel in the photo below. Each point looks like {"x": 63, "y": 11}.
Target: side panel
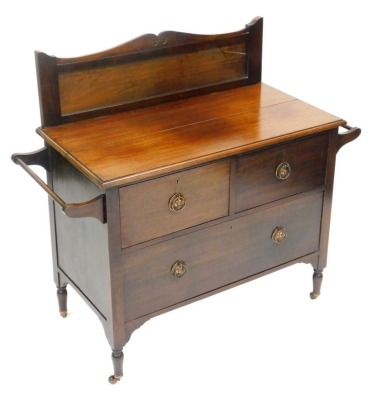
{"x": 327, "y": 200}
{"x": 81, "y": 243}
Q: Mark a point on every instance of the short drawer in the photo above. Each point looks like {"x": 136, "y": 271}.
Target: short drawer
{"x": 281, "y": 171}
{"x": 175, "y": 270}
{"x": 171, "y": 203}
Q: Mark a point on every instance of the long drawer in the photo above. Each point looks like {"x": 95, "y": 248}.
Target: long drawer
{"x": 182, "y": 268}
{"x": 282, "y": 171}
{"x": 168, "y": 204}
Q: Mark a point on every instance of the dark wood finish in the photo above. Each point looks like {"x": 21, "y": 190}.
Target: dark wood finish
{"x": 336, "y": 141}
{"x": 219, "y": 255}
{"x": 59, "y": 278}
{"x": 344, "y": 138}
{"x": 38, "y": 157}
{"x": 48, "y": 88}
{"x": 92, "y": 208}
{"x": 99, "y": 88}
{"x": 82, "y": 255}
{"x": 117, "y": 332}
{"x": 309, "y": 259}
{"x": 160, "y": 139}
{"x": 117, "y": 357}
{"x": 256, "y": 180}
{"x": 62, "y": 300}
{"x": 205, "y": 190}
{"x": 201, "y": 177}
{"x": 149, "y": 70}
{"x": 254, "y": 54}
{"x": 317, "y": 282}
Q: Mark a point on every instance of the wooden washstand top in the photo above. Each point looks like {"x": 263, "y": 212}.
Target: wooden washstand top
{"x": 143, "y": 143}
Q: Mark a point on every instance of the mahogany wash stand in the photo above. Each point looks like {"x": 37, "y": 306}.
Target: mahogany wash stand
{"x": 173, "y": 173}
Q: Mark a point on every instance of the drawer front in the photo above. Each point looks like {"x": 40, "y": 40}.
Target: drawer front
{"x": 179, "y": 269}
{"x": 168, "y": 204}
{"x": 274, "y": 173}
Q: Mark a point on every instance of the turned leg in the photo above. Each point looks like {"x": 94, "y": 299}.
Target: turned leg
{"x": 317, "y": 282}
{"x": 117, "y": 357}
{"x": 62, "y": 299}
{"x": 117, "y": 344}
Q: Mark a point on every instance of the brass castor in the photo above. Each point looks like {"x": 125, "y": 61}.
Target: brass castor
{"x": 113, "y": 379}
{"x": 313, "y": 295}
{"x": 63, "y": 314}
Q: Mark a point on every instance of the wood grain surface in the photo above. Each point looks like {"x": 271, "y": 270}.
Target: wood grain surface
{"x": 256, "y": 180}
{"x": 135, "y": 145}
{"x": 219, "y": 255}
{"x": 144, "y": 207}
{"x": 145, "y": 71}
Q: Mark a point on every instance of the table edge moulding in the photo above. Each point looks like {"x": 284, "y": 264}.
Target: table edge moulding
{"x": 174, "y": 173}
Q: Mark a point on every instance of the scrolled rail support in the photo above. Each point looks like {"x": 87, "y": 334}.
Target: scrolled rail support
{"x": 347, "y": 137}
{"x": 95, "y": 208}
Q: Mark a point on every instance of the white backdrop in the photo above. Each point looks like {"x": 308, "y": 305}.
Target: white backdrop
{"x": 263, "y": 340}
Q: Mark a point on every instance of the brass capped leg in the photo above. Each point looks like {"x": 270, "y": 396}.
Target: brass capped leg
{"x": 113, "y": 379}
{"x": 62, "y": 299}
{"x": 117, "y": 357}
{"x": 317, "y": 282}
{"x": 313, "y": 295}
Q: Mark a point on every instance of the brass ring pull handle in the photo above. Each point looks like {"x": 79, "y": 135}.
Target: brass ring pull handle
{"x": 283, "y": 171}
{"x": 177, "y": 202}
{"x": 179, "y": 269}
{"x": 279, "y": 235}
